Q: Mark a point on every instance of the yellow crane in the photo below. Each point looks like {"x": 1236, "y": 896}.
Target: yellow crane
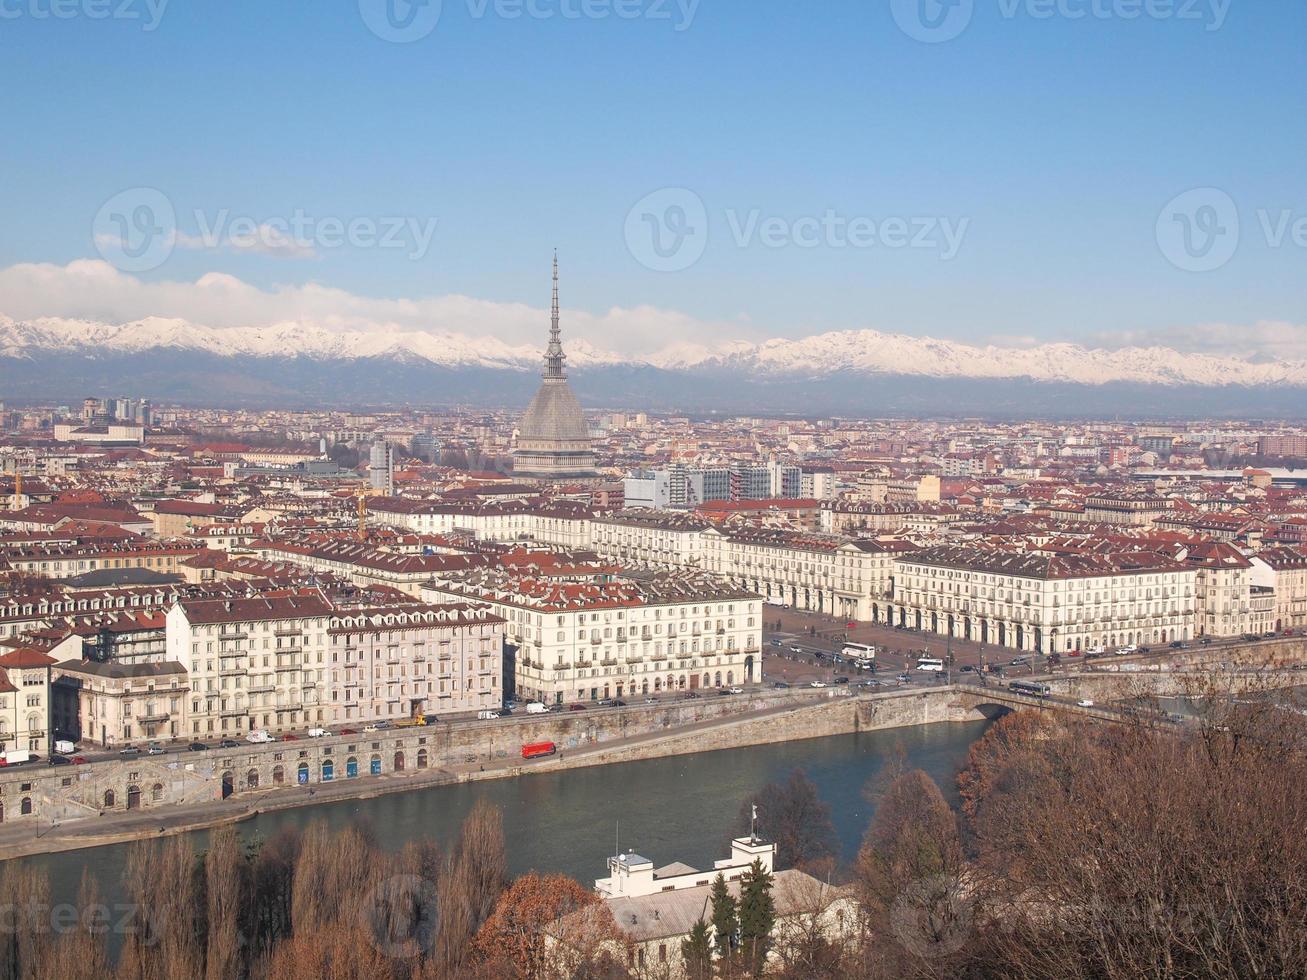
{"x": 362, "y": 494}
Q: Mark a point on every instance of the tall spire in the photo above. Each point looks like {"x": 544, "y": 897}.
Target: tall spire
{"x": 554, "y": 356}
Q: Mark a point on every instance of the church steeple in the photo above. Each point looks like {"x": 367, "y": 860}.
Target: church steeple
{"x": 554, "y": 356}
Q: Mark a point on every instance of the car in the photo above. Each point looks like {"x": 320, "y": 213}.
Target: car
{"x": 1127, "y": 649}
{"x": 1177, "y": 644}
{"x": 129, "y": 751}
{"x": 1084, "y": 703}
{"x": 775, "y": 642}
{"x": 60, "y": 760}
{"x": 818, "y": 684}
{"x": 1206, "y": 641}
{"x": 197, "y": 747}
{"x": 841, "y": 680}
{"x": 1073, "y": 653}
{"x": 155, "y": 750}
{"x": 348, "y": 731}
{"x": 795, "y": 648}
{"x": 79, "y": 760}
{"x": 850, "y": 625}
{"x": 618, "y": 703}
{"x": 577, "y": 707}
{"x": 905, "y": 677}
{"x": 1145, "y": 649}
{"x": 966, "y": 669}
{"x": 1018, "y": 661}
{"x": 431, "y": 719}
{"x": 737, "y": 690}
{"x": 724, "y": 692}
{"x": 505, "y": 712}
{"x": 780, "y": 685}
{"x": 288, "y": 737}
{"x": 1270, "y": 635}
{"x": 693, "y": 694}
{"x": 650, "y": 700}
{"x": 229, "y": 743}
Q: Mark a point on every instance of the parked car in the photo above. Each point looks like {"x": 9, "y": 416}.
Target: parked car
{"x": 737, "y": 690}
{"x": 79, "y": 760}
{"x": 197, "y": 747}
{"x": 289, "y": 737}
{"x": 155, "y": 750}
{"x": 229, "y": 743}
{"x": 60, "y": 760}
{"x": 348, "y": 731}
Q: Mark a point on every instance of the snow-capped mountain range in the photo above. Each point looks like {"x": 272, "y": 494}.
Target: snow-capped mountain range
{"x": 858, "y": 352}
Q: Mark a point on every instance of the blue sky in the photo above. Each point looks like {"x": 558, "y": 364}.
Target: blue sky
{"x": 1052, "y": 143}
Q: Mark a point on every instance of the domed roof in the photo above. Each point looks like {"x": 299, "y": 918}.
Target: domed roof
{"x": 554, "y": 416}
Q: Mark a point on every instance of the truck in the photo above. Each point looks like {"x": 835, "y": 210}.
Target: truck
{"x": 414, "y": 722}
{"x": 64, "y": 747}
{"x": 258, "y": 736}
{"x": 15, "y": 757}
{"x": 538, "y": 750}
{"x": 536, "y": 708}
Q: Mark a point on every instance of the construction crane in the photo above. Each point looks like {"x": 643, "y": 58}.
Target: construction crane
{"x": 362, "y": 494}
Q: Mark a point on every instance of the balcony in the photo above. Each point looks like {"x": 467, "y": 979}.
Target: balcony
{"x": 584, "y": 663}
{"x": 153, "y": 716}
{"x": 290, "y": 666}
{"x": 608, "y": 662}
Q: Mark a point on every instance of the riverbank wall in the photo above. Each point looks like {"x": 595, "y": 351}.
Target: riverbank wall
{"x": 117, "y": 800}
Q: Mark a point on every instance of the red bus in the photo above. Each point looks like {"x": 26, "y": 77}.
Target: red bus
{"x": 537, "y": 750}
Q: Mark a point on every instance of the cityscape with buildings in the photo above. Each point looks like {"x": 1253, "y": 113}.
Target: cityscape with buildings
{"x": 653, "y": 490}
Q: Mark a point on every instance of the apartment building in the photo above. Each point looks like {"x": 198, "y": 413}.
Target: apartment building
{"x": 824, "y": 573}
{"x": 1283, "y": 571}
{"x": 253, "y": 662}
{"x": 1027, "y": 600}
{"x": 410, "y": 659}
{"x": 1223, "y": 589}
{"x": 607, "y": 638}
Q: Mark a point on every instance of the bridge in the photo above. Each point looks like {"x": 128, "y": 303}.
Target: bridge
{"x": 994, "y": 701}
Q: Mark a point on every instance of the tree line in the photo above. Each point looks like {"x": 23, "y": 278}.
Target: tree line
{"x": 1065, "y": 849}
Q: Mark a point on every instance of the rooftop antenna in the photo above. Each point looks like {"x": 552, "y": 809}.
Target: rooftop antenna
{"x": 753, "y": 825}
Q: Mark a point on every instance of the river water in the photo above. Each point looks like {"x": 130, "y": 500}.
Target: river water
{"x": 673, "y": 809}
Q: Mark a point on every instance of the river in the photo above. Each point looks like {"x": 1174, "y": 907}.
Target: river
{"x": 673, "y": 809}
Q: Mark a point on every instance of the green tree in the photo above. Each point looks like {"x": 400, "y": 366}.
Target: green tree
{"x": 757, "y": 916}
{"x": 696, "y": 951}
{"x": 725, "y": 921}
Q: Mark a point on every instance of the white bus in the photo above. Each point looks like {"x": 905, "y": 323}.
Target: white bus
{"x": 861, "y": 654}
{"x": 930, "y": 663}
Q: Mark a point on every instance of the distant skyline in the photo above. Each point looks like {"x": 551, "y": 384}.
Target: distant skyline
{"x": 989, "y": 172}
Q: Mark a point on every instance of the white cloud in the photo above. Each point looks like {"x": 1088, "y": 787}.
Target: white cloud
{"x": 93, "y": 289}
